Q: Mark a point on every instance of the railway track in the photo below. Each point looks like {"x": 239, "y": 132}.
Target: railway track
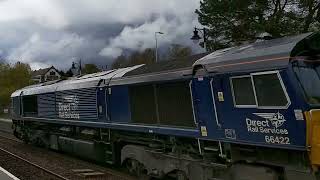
{"x": 34, "y": 165}
{"x": 12, "y": 138}
{"x": 19, "y": 158}
{"x": 85, "y": 172}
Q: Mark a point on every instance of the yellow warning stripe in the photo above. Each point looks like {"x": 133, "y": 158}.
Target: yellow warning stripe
{"x": 313, "y": 137}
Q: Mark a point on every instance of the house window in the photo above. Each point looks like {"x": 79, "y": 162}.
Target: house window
{"x": 242, "y": 91}
{"x": 52, "y": 73}
{"x": 262, "y": 90}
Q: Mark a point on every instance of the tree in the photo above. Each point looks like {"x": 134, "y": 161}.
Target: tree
{"x": 69, "y": 73}
{"x": 310, "y": 11}
{"x": 177, "y": 51}
{"x": 90, "y": 68}
{"x": 145, "y": 57}
{"x": 232, "y": 22}
{"x": 12, "y": 78}
{"x": 119, "y": 62}
{"x": 62, "y": 73}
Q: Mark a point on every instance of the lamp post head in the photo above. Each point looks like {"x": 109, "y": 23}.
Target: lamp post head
{"x": 195, "y": 38}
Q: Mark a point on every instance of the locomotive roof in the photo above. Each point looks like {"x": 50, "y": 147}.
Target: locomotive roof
{"x": 173, "y": 64}
{"x": 266, "y": 54}
{"x": 86, "y": 81}
{"x": 163, "y": 70}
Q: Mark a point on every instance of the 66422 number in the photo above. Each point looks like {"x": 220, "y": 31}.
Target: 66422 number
{"x": 277, "y": 139}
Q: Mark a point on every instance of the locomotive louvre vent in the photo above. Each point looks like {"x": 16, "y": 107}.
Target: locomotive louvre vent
{"x": 77, "y": 104}
{"x": 166, "y": 104}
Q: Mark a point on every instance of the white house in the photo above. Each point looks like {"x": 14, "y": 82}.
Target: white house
{"x": 47, "y": 74}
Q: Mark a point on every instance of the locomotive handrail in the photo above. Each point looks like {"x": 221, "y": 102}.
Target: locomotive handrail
{"x": 214, "y": 104}
{"x": 192, "y": 104}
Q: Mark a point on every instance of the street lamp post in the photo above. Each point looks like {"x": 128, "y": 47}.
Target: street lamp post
{"x": 155, "y": 36}
{"x": 75, "y": 69}
{"x": 195, "y": 38}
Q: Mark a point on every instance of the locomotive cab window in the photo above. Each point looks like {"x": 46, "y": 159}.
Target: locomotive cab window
{"x": 261, "y": 90}
{"x": 269, "y": 90}
{"x": 309, "y": 78}
{"x": 243, "y": 95}
{"x": 30, "y": 106}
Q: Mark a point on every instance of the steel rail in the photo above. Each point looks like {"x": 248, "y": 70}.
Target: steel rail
{"x": 108, "y": 171}
{"x": 111, "y": 172}
{"x": 33, "y": 164}
{"x": 9, "y": 138}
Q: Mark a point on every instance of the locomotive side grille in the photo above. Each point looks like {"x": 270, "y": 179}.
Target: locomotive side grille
{"x": 77, "y": 104}
{"x": 166, "y": 104}
{"x": 175, "y": 107}
{"x": 46, "y": 105}
{"x": 143, "y": 109}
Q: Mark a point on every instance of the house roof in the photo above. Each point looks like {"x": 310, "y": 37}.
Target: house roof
{"x": 42, "y": 72}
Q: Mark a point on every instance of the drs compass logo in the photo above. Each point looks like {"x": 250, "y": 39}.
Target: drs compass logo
{"x": 271, "y": 125}
{"x": 276, "y": 119}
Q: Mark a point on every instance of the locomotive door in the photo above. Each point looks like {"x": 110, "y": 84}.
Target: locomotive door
{"x": 107, "y": 103}
{"x": 101, "y": 104}
{"x": 204, "y": 107}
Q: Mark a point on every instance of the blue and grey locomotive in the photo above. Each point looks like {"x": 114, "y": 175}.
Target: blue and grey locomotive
{"x": 248, "y": 112}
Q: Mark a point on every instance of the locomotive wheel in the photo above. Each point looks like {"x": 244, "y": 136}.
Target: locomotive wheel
{"x": 176, "y": 175}
{"x": 136, "y": 168}
{"x": 39, "y": 142}
{"x": 181, "y": 175}
{"x": 25, "y": 138}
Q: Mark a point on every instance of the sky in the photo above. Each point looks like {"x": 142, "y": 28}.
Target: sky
{"x": 58, "y": 32}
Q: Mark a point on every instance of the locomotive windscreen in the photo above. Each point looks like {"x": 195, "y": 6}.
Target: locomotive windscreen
{"x": 309, "y": 78}
{"x": 166, "y": 104}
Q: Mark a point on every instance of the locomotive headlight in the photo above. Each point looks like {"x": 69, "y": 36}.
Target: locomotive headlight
{"x": 298, "y": 114}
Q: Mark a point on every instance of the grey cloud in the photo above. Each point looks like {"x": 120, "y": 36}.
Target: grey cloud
{"x": 142, "y": 37}
{"x": 56, "y": 32}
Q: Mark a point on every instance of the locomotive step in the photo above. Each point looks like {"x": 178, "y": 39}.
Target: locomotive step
{"x": 109, "y": 162}
{"x": 82, "y": 170}
{"x": 91, "y": 174}
{"x": 87, "y": 173}
{"x": 211, "y": 149}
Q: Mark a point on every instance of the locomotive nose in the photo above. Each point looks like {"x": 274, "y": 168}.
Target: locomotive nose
{"x": 313, "y": 136}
